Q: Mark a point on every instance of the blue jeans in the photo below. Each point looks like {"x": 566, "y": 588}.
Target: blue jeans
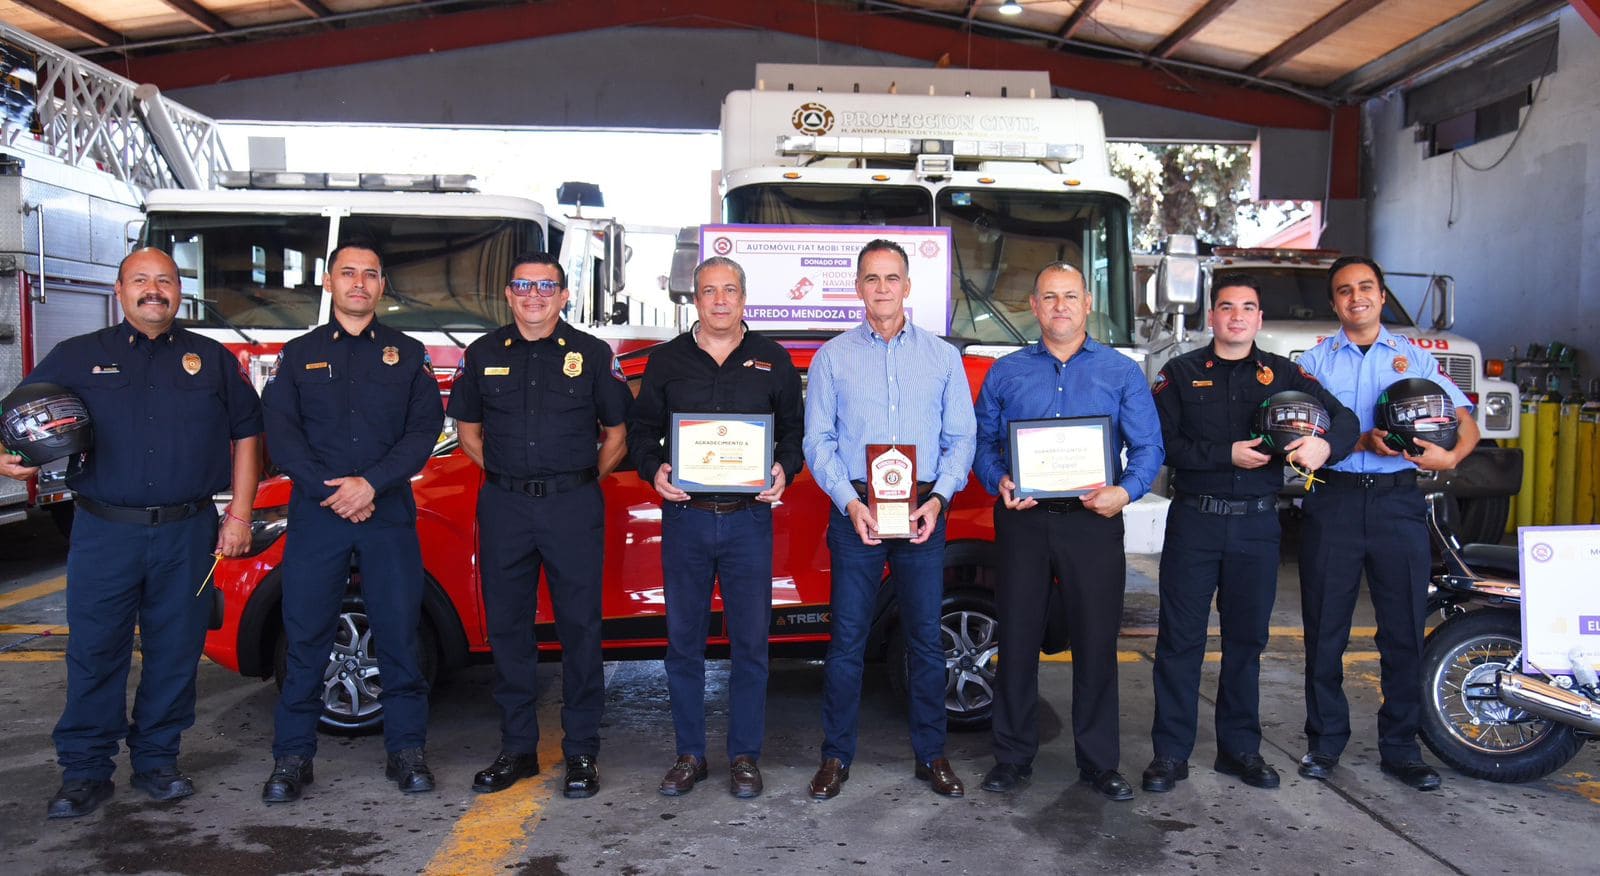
{"x": 734, "y": 551}
{"x": 917, "y": 574}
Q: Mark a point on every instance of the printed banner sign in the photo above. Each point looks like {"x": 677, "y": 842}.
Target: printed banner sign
{"x": 1560, "y": 596}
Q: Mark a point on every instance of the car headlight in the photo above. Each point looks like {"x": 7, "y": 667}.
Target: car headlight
{"x": 266, "y": 525}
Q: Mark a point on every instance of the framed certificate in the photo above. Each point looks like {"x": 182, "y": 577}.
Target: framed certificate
{"x": 1060, "y": 457}
{"x": 721, "y": 453}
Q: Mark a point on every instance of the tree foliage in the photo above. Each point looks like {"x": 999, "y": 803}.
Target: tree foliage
{"x": 1185, "y": 188}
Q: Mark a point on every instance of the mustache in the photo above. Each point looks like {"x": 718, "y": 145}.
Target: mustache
{"x": 153, "y": 299}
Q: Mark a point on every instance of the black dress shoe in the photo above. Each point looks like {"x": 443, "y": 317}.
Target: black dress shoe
{"x": 1109, "y": 783}
{"x": 408, "y": 768}
{"x": 1163, "y": 774}
{"x": 1317, "y": 766}
{"x": 163, "y": 784}
{"x": 1252, "y": 769}
{"x": 289, "y": 777}
{"x": 507, "y": 770}
{"x": 1003, "y": 778}
{"x": 79, "y": 797}
{"x": 583, "y": 777}
{"x": 1415, "y": 774}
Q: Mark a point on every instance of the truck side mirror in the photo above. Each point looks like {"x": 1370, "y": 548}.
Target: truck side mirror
{"x": 685, "y": 256}
{"x": 1444, "y": 301}
{"x": 1178, "y": 277}
{"x": 615, "y": 268}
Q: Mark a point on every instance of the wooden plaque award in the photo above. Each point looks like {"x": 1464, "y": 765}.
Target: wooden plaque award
{"x": 892, "y": 488}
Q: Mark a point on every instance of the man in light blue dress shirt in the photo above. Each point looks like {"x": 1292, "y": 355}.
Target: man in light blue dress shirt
{"x": 1370, "y": 515}
{"x": 886, "y": 381}
{"x": 1072, "y": 543}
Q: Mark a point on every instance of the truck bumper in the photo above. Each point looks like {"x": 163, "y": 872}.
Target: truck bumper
{"x": 1487, "y": 471}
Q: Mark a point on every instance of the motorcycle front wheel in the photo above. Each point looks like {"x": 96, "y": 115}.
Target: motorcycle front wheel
{"x": 1465, "y": 724}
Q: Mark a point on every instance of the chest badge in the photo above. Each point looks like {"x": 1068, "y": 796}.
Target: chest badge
{"x": 1401, "y": 363}
{"x": 1264, "y": 376}
{"x": 572, "y": 365}
{"x": 391, "y": 355}
{"x": 191, "y": 363}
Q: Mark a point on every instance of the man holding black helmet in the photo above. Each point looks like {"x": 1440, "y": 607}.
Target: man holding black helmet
{"x": 1370, "y": 515}
{"x": 1222, "y": 529}
{"x": 174, "y": 424}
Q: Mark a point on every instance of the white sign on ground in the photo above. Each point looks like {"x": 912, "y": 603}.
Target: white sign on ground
{"x": 804, "y": 276}
{"x": 1560, "y": 596}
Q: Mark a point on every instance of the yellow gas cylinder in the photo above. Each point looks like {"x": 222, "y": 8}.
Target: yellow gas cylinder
{"x": 1587, "y": 508}
{"x": 1530, "y": 444}
{"x": 1567, "y": 463}
{"x": 1511, "y": 515}
{"x": 1544, "y": 463}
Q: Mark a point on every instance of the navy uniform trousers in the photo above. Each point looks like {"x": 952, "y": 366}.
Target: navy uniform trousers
{"x": 563, "y": 533}
{"x": 1381, "y": 530}
{"x": 119, "y": 574}
{"x": 317, "y": 554}
{"x": 1235, "y": 558}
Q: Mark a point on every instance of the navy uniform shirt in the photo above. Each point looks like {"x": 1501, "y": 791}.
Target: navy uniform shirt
{"x": 758, "y": 377}
{"x": 541, "y": 402}
{"x": 342, "y": 405}
{"x": 1097, "y": 380}
{"x": 1207, "y": 403}
{"x": 164, "y": 412}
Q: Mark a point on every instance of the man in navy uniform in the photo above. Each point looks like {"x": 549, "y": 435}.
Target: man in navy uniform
{"x": 1222, "y": 531}
{"x": 175, "y": 423}
{"x": 1075, "y": 541}
{"x": 352, "y": 413}
{"x": 1370, "y": 516}
{"x": 719, "y": 366}
{"x": 541, "y": 406}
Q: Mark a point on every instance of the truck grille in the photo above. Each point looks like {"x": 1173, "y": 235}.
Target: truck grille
{"x": 1460, "y": 369}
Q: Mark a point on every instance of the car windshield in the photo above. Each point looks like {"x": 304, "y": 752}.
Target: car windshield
{"x": 255, "y": 270}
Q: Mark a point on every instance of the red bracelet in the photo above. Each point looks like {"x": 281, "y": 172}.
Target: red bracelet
{"x": 228, "y": 513}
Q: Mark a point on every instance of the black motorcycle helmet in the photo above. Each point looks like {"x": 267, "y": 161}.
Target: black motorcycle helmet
{"x": 1287, "y": 416}
{"x": 1416, "y": 408}
{"x": 43, "y": 422}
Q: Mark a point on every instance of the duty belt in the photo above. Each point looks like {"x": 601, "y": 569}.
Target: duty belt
{"x": 1061, "y": 506}
{"x": 722, "y": 504}
{"x": 152, "y": 515}
{"x": 1228, "y": 507}
{"x": 541, "y": 487}
{"x": 1368, "y": 481}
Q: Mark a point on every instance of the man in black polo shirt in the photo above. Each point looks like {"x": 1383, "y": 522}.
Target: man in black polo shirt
{"x": 719, "y": 366}
{"x": 530, "y": 400}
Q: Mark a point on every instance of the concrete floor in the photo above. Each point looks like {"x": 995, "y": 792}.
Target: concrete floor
{"x": 352, "y": 821}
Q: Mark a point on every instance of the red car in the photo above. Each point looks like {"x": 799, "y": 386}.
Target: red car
{"x": 453, "y": 632}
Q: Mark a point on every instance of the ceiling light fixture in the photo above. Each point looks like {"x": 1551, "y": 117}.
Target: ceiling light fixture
{"x": 1011, "y": 7}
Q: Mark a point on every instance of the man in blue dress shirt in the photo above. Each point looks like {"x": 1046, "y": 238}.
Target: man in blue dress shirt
{"x": 1075, "y": 543}
{"x": 174, "y": 423}
{"x": 886, "y": 381}
{"x": 1370, "y": 515}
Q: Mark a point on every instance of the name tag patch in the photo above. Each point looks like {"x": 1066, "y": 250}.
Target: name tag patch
{"x": 1201, "y": 383}
{"x": 312, "y": 366}
{"x": 496, "y": 371}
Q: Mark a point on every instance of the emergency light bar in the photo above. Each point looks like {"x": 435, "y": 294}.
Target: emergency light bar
{"x": 369, "y": 182}
{"x": 982, "y": 150}
{"x": 1276, "y": 255}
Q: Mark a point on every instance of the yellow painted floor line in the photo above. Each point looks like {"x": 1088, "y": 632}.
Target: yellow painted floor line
{"x": 33, "y": 656}
{"x": 33, "y": 591}
{"x": 1275, "y": 632}
{"x": 496, "y": 828}
{"x": 1211, "y": 657}
{"x": 32, "y": 630}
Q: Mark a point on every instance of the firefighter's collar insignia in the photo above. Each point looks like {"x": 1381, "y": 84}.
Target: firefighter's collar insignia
{"x": 572, "y": 365}
{"x": 191, "y": 363}
{"x": 391, "y": 355}
{"x": 1400, "y": 364}
{"x": 562, "y": 342}
{"x": 508, "y": 342}
{"x": 1264, "y": 375}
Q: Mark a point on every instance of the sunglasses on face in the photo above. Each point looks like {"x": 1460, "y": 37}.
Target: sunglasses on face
{"x": 545, "y": 288}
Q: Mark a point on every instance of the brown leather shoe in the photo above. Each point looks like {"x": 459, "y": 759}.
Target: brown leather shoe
{"x": 942, "y": 776}
{"x": 683, "y": 775}
{"x": 825, "y": 784}
{"x": 745, "y": 781}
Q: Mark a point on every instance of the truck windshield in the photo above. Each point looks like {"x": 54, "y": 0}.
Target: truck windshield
{"x": 1000, "y": 240}
{"x": 252, "y": 270}
{"x": 257, "y": 270}
{"x": 1298, "y": 294}
{"x": 823, "y": 204}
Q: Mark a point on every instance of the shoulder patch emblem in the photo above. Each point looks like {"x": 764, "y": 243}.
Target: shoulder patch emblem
{"x": 616, "y": 369}
{"x": 1160, "y": 384}
{"x": 1307, "y": 374}
{"x": 572, "y": 365}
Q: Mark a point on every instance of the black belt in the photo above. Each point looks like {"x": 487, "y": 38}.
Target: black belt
{"x": 153, "y": 515}
{"x": 726, "y": 505}
{"x": 1368, "y": 481}
{"x": 1229, "y": 507}
{"x": 924, "y": 490}
{"x": 541, "y": 487}
{"x": 1060, "y": 506}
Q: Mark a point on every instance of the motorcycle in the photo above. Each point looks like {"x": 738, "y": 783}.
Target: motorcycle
{"x": 1482, "y": 713}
